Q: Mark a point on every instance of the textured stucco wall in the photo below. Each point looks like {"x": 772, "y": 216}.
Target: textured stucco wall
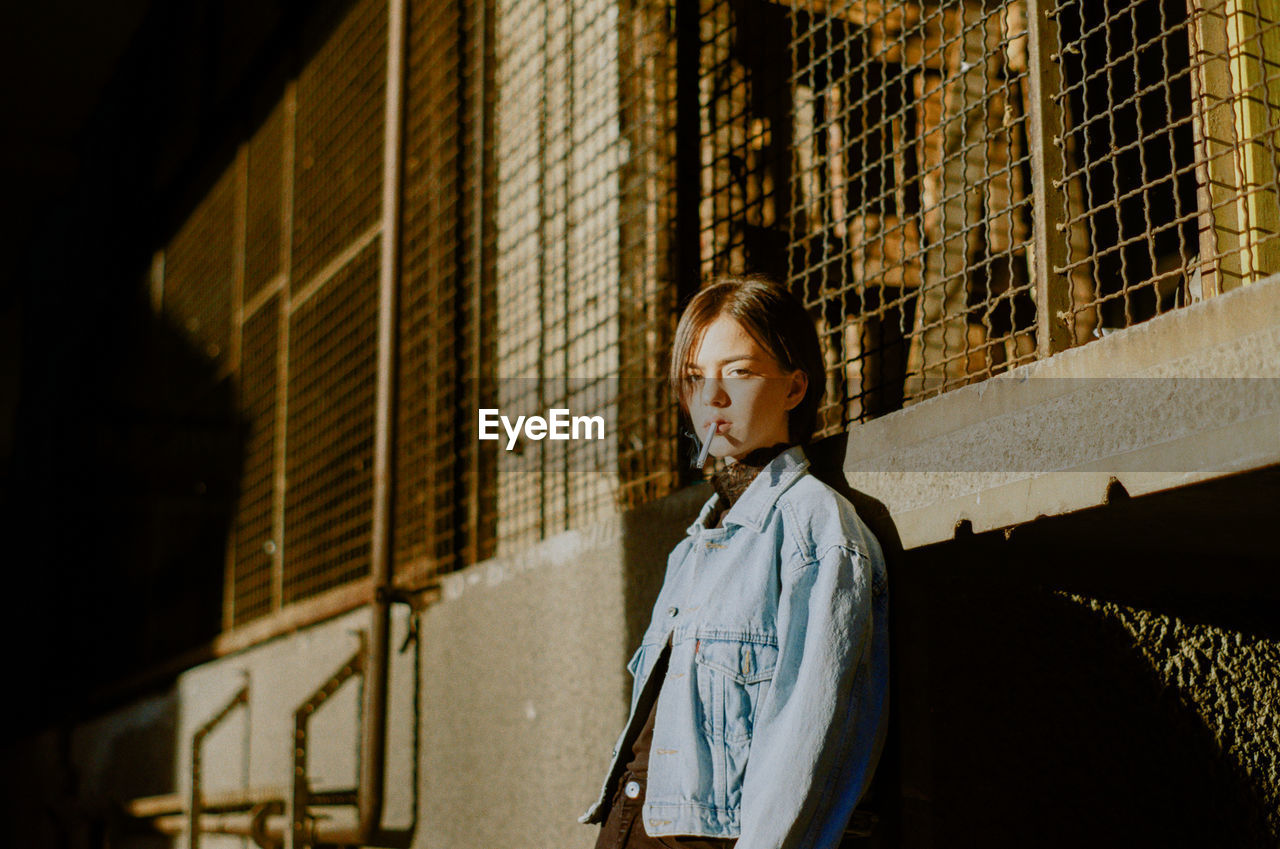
{"x": 1102, "y": 681}
{"x": 1228, "y": 677}
{"x": 520, "y": 696}
{"x": 524, "y": 682}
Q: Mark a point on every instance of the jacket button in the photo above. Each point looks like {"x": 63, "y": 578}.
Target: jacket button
{"x": 632, "y": 789}
{"x": 672, "y": 611}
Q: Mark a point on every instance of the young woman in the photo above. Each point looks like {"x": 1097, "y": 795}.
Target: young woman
{"x": 760, "y": 686}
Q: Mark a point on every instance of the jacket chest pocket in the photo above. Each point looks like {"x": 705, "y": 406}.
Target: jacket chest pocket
{"x": 733, "y": 676}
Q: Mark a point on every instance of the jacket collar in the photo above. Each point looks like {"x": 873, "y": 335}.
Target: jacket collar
{"x": 753, "y": 506}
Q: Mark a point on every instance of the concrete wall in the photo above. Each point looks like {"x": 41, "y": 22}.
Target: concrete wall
{"x": 516, "y": 682}
{"x": 524, "y": 686}
{"x": 522, "y": 666}
{"x": 1080, "y": 688}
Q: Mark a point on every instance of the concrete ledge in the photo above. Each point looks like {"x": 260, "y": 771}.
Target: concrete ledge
{"x": 1187, "y": 396}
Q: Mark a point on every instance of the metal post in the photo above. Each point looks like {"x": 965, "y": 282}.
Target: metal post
{"x": 477, "y": 91}
{"x": 688, "y": 166}
{"x": 277, "y": 550}
{"x": 373, "y": 733}
{"x": 1053, "y": 288}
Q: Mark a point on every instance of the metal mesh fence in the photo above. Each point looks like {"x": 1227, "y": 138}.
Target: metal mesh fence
{"x": 898, "y": 138}
{"x": 882, "y": 159}
{"x": 329, "y": 464}
{"x": 199, "y": 271}
{"x": 646, "y": 427}
{"x": 264, "y": 204}
{"x": 583, "y": 205}
{"x": 338, "y": 158}
{"x": 427, "y": 464}
{"x": 545, "y": 152}
{"x": 255, "y": 548}
{"x": 1169, "y": 119}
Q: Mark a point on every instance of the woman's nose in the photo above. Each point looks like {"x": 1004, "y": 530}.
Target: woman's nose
{"x": 713, "y": 392}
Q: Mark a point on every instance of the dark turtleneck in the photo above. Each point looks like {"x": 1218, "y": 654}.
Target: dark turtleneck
{"x": 733, "y": 480}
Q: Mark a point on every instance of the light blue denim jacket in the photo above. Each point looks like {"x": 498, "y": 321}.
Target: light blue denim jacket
{"x": 772, "y": 714}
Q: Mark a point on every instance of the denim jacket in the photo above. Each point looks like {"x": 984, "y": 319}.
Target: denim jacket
{"x": 772, "y": 714}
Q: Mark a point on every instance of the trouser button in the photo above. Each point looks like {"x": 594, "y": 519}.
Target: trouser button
{"x": 632, "y": 789}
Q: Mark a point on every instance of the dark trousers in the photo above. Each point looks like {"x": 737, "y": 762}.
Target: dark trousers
{"x": 624, "y": 827}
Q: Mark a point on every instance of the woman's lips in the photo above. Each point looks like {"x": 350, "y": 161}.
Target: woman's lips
{"x": 721, "y": 425}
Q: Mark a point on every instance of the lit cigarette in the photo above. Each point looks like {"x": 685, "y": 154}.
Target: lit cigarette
{"x": 706, "y": 445}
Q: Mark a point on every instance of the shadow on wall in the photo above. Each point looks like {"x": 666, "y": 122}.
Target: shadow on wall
{"x": 67, "y": 787}
{"x": 124, "y": 474}
{"x": 126, "y": 464}
{"x": 1074, "y": 689}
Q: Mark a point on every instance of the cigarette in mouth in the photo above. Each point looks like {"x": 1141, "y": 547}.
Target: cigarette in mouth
{"x": 706, "y": 445}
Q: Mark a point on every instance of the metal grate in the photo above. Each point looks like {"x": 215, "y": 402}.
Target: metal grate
{"x": 427, "y": 465}
{"x": 338, "y": 157}
{"x": 328, "y": 499}
{"x": 264, "y": 207}
{"x": 255, "y": 546}
{"x": 878, "y": 161}
{"x": 880, "y": 158}
{"x": 274, "y": 276}
{"x": 199, "y": 271}
{"x": 474, "y": 516}
{"x": 1169, "y": 124}
{"x": 568, "y": 173}
{"x": 647, "y": 423}
{"x": 909, "y": 219}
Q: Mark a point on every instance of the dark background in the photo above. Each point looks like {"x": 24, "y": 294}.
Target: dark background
{"x": 119, "y": 448}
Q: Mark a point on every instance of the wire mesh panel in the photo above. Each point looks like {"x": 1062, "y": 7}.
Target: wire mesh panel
{"x": 199, "y": 271}
{"x": 427, "y": 463}
{"x": 474, "y": 517}
{"x": 338, "y": 158}
{"x": 530, "y": 241}
{"x": 332, "y": 362}
{"x": 646, "y": 440}
{"x": 877, "y": 160}
{"x": 255, "y": 547}
{"x": 745, "y": 132}
{"x": 910, "y": 215}
{"x": 878, "y": 157}
{"x": 1170, "y": 112}
{"x": 561, "y": 156}
{"x": 265, "y": 198}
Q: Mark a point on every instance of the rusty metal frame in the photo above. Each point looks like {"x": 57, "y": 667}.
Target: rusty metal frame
{"x": 300, "y": 796}
{"x": 282, "y": 352}
{"x": 195, "y": 799}
{"x": 1053, "y": 288}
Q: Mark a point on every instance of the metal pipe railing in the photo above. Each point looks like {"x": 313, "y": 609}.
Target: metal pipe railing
{"x": 373, "y": 737}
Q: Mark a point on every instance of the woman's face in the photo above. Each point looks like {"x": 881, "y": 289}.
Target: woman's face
{"x": 740, "y": 387}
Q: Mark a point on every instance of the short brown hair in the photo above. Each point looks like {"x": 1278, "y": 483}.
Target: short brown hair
{"x": 779, "y": 323}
